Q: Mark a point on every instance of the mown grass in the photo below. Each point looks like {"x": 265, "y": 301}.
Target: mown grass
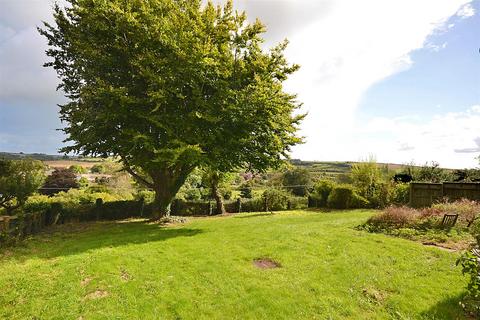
{"x": 204, "y": 270}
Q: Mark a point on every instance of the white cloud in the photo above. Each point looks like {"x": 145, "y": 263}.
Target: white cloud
{"x": 452, "y": 138}
{"x": 344, "y": 48}
{"x": 466, "y": 11}
{"x": 345, "y": 51}
{"x": 22, "y": 77}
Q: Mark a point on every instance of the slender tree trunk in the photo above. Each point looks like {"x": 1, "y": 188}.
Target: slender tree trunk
{"x": 218, "y": 197}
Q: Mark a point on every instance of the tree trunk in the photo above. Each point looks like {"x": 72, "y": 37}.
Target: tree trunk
{"x": 166, "y": 183}
{"x": 161, "y": 204}
{"x": 218, "y": 197}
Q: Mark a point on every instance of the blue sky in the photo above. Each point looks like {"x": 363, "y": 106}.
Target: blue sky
{"x": 444, "y": 75}
{"x": 399, "y": 80}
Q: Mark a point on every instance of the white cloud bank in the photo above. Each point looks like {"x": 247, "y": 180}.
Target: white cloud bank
{"x": 453, "y": 138}
{"x": 344, "y": 49}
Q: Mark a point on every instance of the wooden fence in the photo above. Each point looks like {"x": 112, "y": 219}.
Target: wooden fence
{"x": 425, "y": 194}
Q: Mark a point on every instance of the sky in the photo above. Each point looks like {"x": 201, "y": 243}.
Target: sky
{"x": 395, "y": 79}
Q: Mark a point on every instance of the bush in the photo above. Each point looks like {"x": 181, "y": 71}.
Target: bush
{"x": 358, "y": 201}
{"x": 246, "y": 191}
{"x": 467, "y": 210}
{"x": 394, "y": 218}
{"x": 298, "y": 180}
{"x": 98, "y": 168}
{"x": 470, "y": 262}
{"x": 276, "y": 199}
{"x": 381, "y": 195}
{"x": 77, "y": 169}
{"x": 253, "y": 205}
{"x": 60, "y": 180}
{"x": 322, "y": 190}
{"x": 345, "y": 197}
{"x": 401, "y": 194}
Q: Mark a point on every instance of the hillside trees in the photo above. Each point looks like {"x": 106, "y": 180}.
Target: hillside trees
{"x": 298, "y": 180}
{"x": 19, "y": 179}
{"x": 170, "y": 85}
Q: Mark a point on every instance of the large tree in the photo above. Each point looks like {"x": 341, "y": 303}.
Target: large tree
{"x": 19, "y": 179}
{"x": 169, "y": 85}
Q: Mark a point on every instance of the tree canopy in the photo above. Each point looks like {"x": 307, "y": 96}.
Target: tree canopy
{"x": 19, "y": 179}
{"x": 169, "y": 85}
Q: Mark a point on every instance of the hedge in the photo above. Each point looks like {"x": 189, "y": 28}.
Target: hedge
{"x": 35, "y": 218}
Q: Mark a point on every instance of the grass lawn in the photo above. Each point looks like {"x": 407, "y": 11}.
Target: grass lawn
{"x": 203, "y": 270}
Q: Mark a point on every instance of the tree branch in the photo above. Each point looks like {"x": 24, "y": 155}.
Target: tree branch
{"x": 137, "y": 177}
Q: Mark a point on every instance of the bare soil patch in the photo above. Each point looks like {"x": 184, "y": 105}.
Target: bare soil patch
{"x": 96, "y": 295}
{"x": 266, "y": 263}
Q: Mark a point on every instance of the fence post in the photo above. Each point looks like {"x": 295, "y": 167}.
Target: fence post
{"x": 142, "y": 206}
{"x": 98, "y": 208}
{"x": 265, "y": 204}
{"x": 210, "y": 208}
{"x": 239, "y": 205}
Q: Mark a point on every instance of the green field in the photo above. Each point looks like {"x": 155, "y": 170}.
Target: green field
{"x": 204, "y": 270}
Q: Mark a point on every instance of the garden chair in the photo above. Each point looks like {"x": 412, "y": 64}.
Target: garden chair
{"x": 449, "y": 220}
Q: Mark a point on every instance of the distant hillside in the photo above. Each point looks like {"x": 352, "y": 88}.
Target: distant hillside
{"x": 36, "y": 156}
{"x": 333, "y": 169}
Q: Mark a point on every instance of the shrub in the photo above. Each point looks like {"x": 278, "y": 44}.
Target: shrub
{"x": 276, "y": 199}
{"x": 77, "y": 169}
{"x": 358, "y": 201}
{"x": 470, "y": 262}
{"x": 381, "y": 195}
{"x": 467, "y": 210}
{"x": 19, "y": 179}
{"x": 345, "y": 197}
{"x": 98, "y": 168}
{"x": 60, "y": 180}
{"x": 147, "y": 196}
{"x": 298, "y": 180}
{"x": 253, "y": 205}
{"x": 394, "y": 217}
{"x": 401, "y": 194}
{"x": 322, "y": 190}
{"x": 246, "y": 191}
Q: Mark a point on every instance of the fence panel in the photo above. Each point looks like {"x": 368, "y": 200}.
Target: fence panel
{"x": 425, "y": 194}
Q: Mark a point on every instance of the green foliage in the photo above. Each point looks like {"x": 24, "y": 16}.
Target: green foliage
{"x": 345, "y": 197}
{"x": 298, "y": 181}
{"x": 371, "y": 183}
{"x": 98, "y": 168}
{"x": 77, "y": 169}
{"x": 83, "y": 183}
{"x": 466, "y": 175}
{"x": 246, "y": 190}
{"x": 193, "y": 189}
{"x": 401, "y": 194}
{"x": 167, "y": 86}
{"x": 365, "y": 177}
{"x": 19, "y": 179}
{"x": 322, "y": 190}
{"x": 147, "y": 195}
{"x": 470, "y": 263}
{"x": 60, "y": 180}
{"x": 432, "y": 173}
{"x": 276, "y": 199}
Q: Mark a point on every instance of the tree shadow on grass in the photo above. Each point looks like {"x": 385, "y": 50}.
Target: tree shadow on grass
{"x": 449, "y": 308}
{"x": 82, "y": 237}
{"x": 266, "y": 214}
